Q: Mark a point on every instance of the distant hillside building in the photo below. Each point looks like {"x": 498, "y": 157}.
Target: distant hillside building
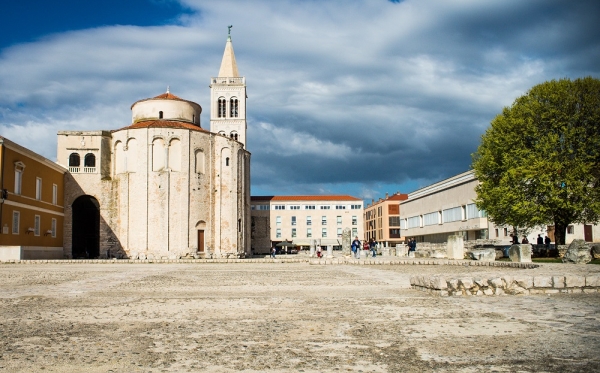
{"x": 304, "y": 220}
{"x": 31, "y": 204}
{"x": 162, "y": 187}
{"x": 382, "y": 220}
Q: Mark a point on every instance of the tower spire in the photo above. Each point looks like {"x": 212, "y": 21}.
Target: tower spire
{"x": 228, "y": 65}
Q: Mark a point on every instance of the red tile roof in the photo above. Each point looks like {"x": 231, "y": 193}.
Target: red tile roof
{"x": 305, "y": 198}
{"x": 167, "y": 96}
{"x": 398, "y": 197}
{"x": 163, "y": 124}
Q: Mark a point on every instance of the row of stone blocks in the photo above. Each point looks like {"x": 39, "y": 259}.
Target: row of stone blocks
{"x": 465, "y": 263}
{"x": 511, "y": 285}
{"x": 152, "y": 261}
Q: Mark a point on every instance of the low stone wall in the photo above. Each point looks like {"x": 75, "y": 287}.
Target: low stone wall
{"x": 158, "y": 261}
{"x": 501, "y": 285}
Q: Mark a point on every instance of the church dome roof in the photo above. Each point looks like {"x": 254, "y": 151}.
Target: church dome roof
{"x": 167, "y": 96}
{"x": 165, "y": 110}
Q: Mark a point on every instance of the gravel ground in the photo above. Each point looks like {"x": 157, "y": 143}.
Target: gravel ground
{"x": 282, "y": 317}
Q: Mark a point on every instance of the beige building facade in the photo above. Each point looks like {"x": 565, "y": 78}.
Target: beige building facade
{"x": 432, "y": 213}
{"x": 162, "y": 187}
{"x": 304, "y": 220}
{"x": 382, "y": 220}
{"x": 31, "y": 204}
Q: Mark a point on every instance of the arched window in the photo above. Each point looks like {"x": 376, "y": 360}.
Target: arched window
{"x": 233, "y": 106}
{"x": 89, "y": 160}
{"x": 131, "y": 163}
{"x": 227, "y": 161}
{"x": 160, "y": 115}
{"x": 233, "y": 135}
{"x": 175, "y": 155}
{"x": 199, "y": 162}
{"x": 119, "y": 158}
{"x": 158, "y": 154}
{"x": 222, "y": 107}
{"x": 74, "y": 160}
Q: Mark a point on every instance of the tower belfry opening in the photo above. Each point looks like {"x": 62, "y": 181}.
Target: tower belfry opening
{"x": 228, "y": 97}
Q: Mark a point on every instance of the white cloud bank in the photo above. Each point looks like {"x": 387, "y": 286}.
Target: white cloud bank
{"x": 358, "y": 97}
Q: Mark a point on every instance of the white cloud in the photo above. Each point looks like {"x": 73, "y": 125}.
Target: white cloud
{"x": 401, "y": 92}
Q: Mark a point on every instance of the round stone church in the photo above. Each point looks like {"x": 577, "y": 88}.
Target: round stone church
{"x": 162, "y": 187}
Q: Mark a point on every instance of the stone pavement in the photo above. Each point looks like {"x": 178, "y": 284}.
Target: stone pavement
{"x": 284, "y": 317}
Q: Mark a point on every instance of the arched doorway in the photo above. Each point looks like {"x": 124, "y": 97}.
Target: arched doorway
{"x": 86, "y": 227}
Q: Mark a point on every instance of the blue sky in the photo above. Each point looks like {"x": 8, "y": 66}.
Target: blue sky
{"x": 29, "y": 20}
{"x": 360, "y": 97}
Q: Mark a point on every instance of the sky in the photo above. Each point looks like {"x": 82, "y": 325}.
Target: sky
{"x": 358, "y": 97}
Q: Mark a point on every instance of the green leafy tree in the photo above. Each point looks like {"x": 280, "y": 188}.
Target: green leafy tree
{"x": 539, "y": 162}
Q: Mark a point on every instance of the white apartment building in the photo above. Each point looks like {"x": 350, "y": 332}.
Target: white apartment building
{"x": 432, "y": 213}
{"x": 304, "y": 219}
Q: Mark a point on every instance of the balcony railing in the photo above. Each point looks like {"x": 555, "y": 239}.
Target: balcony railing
{"x": 226, "y": 80}
{"x": 85, "y": 170}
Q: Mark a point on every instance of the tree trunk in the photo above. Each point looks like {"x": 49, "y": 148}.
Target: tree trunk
{"x": 560, "y": 232}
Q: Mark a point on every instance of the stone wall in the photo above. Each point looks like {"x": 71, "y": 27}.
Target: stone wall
{"x": 501, "y": 285}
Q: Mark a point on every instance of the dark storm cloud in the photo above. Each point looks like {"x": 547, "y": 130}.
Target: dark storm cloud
{"x": 359, "y": 97}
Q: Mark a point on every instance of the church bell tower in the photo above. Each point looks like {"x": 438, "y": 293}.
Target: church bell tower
{"x": 228, "y": 98}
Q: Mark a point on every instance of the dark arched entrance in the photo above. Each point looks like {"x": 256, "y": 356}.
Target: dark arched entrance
{"x": 86, "y": 227}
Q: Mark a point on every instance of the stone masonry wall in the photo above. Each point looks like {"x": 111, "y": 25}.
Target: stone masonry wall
{"x": 505, "y": 284}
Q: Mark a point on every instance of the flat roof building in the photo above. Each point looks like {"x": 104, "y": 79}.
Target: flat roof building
{"x": 303, "y": 220}
{"x": 432, "y": 213}
{"x": 382, "y": 220}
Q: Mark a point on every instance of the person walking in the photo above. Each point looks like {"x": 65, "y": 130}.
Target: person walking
{"x": 373, "y": 247}
{"x": 356, "y": 247}
{"x": 273, "y": 251}
{"x": 540, "y": 240}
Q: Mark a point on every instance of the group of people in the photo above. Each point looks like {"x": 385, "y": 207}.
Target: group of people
{"x": 368, "y": 246}
{"x": 540, "y": 241}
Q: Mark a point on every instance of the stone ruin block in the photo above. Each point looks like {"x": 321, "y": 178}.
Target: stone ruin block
{"x": 574, "y": 281}
{"x": 438, "y": 283}
{"x": 401, "y": 250}
{"x": 595, "y": 250}
{"x": 520, "y": 253}
{"x": 526, "y": 282}
{"x": 558, "y": 282}
{"x": 542, "y": 281}
{"x": 592, "y": 281}
{"x": 496, "y": 282}
{"x": 486, "y": 255}
{"x": 456, "y": 247}
{"x": 579, "y": 252}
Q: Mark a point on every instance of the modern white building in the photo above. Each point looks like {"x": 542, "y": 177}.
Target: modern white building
{"x": 304, "y": 220}
{"x": 432, "y": 213}
{"x": 163, "y": 186}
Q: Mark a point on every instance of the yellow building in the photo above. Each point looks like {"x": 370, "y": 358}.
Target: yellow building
{"x": 382, "y": 220}
{"x": 31, "y": 204}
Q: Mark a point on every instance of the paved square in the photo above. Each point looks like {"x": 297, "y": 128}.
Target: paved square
{"x": 280, "y": 317}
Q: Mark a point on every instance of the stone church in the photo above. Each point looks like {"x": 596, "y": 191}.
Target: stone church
{"x": 162, "y": 187}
